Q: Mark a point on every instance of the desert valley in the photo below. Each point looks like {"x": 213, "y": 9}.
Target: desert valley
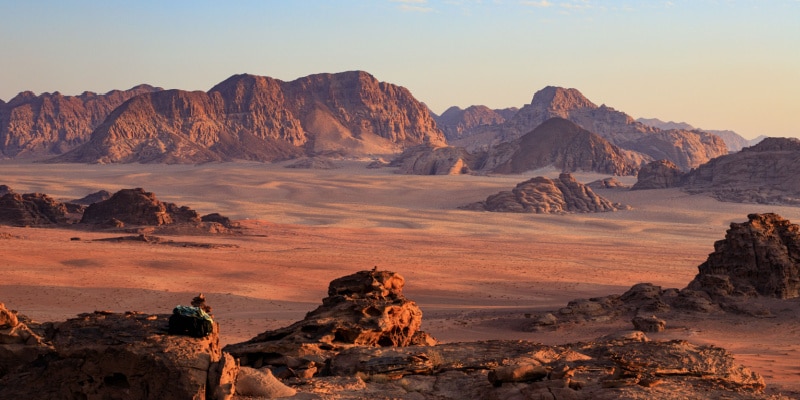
{"x": 521, "y": 232}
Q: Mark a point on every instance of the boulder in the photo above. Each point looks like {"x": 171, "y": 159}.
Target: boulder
{"x": 757, "y": 257}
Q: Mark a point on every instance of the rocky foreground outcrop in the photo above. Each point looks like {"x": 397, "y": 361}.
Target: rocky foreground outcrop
{"x": 106, "y": 355}
{"x": 542, "y": 195}
{"x": 248, "y": 117}
{"x": 760, "y": 257}
{"x": 363, "y": 309}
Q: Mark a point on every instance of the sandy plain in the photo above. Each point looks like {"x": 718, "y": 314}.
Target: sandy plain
{"x": 475, "y": 275}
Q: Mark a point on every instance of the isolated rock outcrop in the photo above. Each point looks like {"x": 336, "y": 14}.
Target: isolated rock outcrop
{"x": 31, "y": 209}
{"x": 433, "y": 160}
{"x": 92, "y": 198}
{"x": 137, "y": 207}
{"x": 110, "y": 356}
{"x": 250, "y": 117}
{"x": 52, "y": 123}
{"x": 757, "y": 257}
{"x": 561, "y": 143}
{"x": 659, "y": 174}
{"x": 363, "y": 309}
{"x": 765, "y": 173}
{"x": 545, "y": 196}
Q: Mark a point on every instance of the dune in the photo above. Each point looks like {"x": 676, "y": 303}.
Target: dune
{"x": 475, "y": 275}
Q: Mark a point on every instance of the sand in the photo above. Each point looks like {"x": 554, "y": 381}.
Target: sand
{"x": 474, "y": 274}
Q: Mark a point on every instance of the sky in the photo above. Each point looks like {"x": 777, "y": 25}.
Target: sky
{"x": 716, "y": 64}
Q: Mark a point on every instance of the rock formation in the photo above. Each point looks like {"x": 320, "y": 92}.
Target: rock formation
{"x": 764, "y": 173}
{"x": 608, "y": 183}
{"x": 92, "y": 198}
{"x": 568, "y": 147}
{"x": 52, "y": 123}
{"x": 733, "y": 140}
{"x": 363, "y": 309}
{"x": 31, "y": 209}
{"x": 545, "y": 196}
{"x": 434, "y": 160}
{"x": 137, "y": 207}
{"x": 259, "y": 118}
{"x": 687, "y": 149}
{"x": 659, "y": 174}
{"x": 457, "y": 123}
{"x": 757, "y": 257}
{"x": 109, "y": 355}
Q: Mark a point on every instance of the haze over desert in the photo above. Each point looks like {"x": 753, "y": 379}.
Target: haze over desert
{"x": 475, "y": 275}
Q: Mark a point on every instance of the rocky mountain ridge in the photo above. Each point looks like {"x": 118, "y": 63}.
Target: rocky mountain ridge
{"x": 457, "y": 123}
{"x": 733, "y": 140}
{"x": 260, "y": 118}
{"x": 51, "y": 123}
{"x": 686, "y": 148}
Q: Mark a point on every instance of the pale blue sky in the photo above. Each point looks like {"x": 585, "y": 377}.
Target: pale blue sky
{"x": 717, "y": 64}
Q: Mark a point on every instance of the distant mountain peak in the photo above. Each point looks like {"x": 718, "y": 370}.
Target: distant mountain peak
{"x": 557, "y": 98}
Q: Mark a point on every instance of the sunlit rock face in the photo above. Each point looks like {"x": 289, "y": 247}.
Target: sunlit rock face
{"x": 757, "y": 257}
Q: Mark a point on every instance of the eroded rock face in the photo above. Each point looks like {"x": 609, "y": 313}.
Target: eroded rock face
{"x": 659, "y": 174}
{"x": 565, "y": 145}
{"x": 432, "y": 160}
{"x": 765, "y": 173}
{"x": 457, "y": 123}
{"x": 108, "y": 355}
{"x": 757, "y": 257}
{"x": 542, "y": 195}
{"x": 52, "y": 123}
{"x": 31, "y": 209}
{"x": 137, "y": 207}
{"x": 250, "y": 117}
{"x": 686, "y": 148}
{"x": 363, "y": 309}
{"x": 634, "y": 368}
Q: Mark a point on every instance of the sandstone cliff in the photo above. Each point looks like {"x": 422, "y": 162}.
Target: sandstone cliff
{"x": 764, "y": 173}
{"x": 733, "y": 140}
{"x": 52, "y": 123}
{"x": 757, "y": 257}
{"x": 565, "y": 145}
{"x": 541, "y": 195}
{"x": 457, "y": 123}
{"x": 259, "y": 118}
{"x": 687, "y": 149}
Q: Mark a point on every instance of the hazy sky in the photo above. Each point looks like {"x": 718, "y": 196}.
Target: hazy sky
{"x": 723, "y": 64}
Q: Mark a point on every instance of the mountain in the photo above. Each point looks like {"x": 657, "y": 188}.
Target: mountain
{"x": 733, "y": 140}
{"x": 664, "y": 125}
{"x": 565, "y": 145}
{"x": 687, "y": 149}
{"x": 457, "y": 123}
{"x": 260, "y": 118}
{"x": 765, "y": 173}
{"x": 52, "y": 123}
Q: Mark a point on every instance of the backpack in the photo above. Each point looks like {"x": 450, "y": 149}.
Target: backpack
{"x": 191, "y": 321}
